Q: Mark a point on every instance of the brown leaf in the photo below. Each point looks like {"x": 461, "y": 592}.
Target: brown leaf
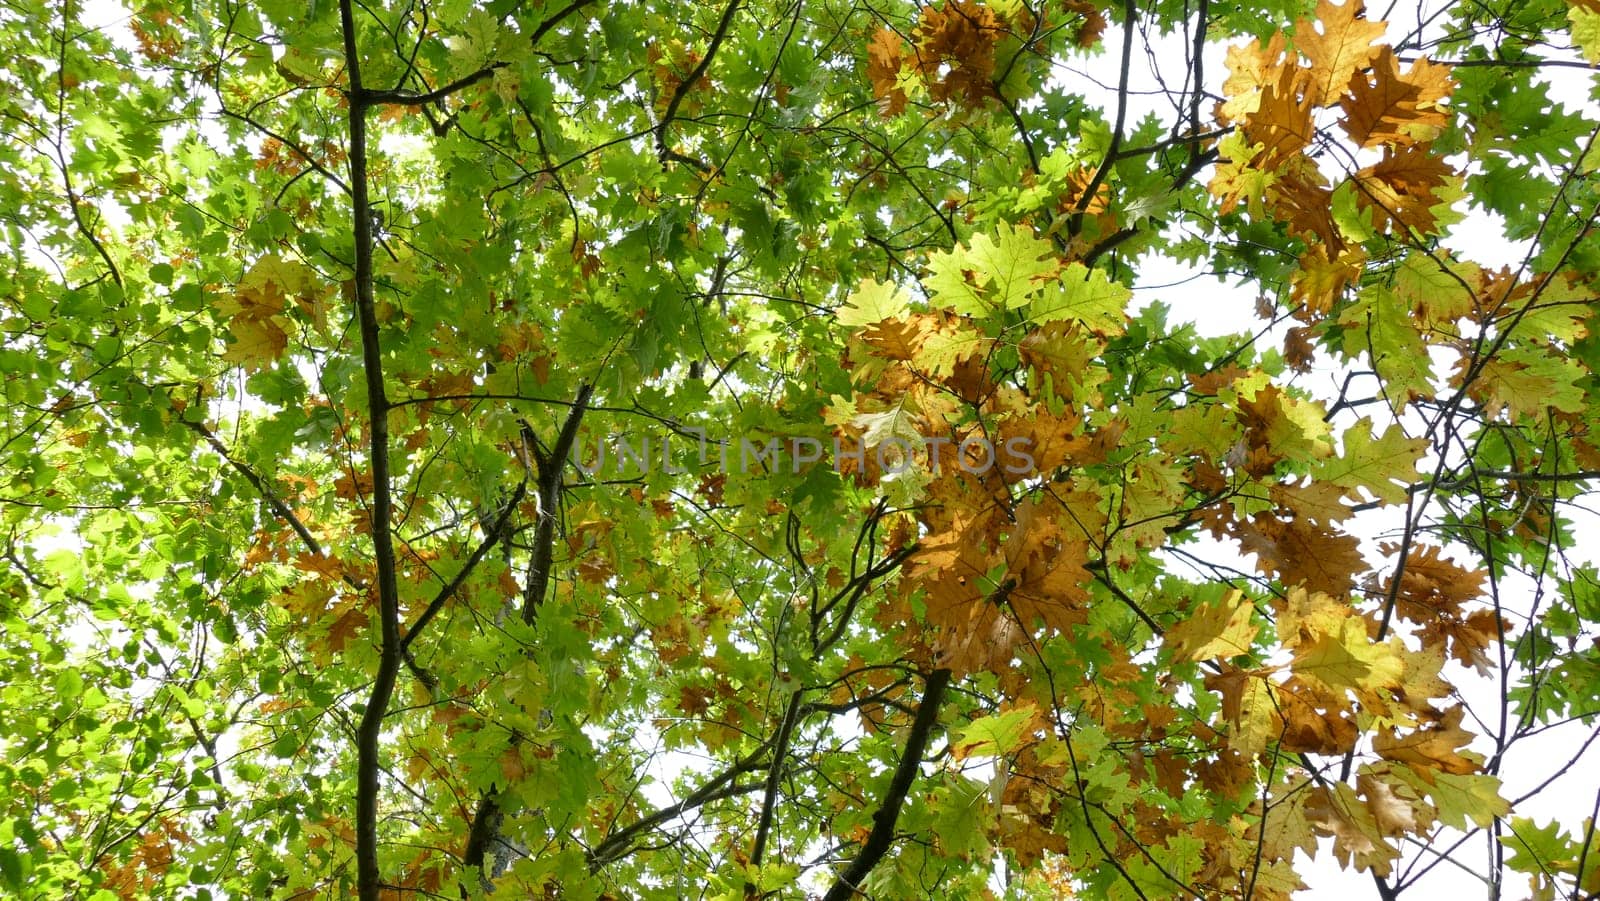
{"x": 1094, "y": 23}
{"x": 1400, "y": 188}
{"x": 1388, "y": 107}
{"x": 1282, "y": 121}
{"x": 1299, "y": 552}
{"x": 1431, "y": 585}
{"x": 1431, "y": 748}
{"x": 1393, "y": 814}
{"x": 1314, "y": 720}
{"x": 955, "y": 51}
{"x": 885, "y": 53}
{"x": 1301, "y": 198}
{"x": 1357, "y": 838}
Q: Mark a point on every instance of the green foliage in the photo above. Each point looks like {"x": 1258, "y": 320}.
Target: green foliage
{"x": 537, "y": 449}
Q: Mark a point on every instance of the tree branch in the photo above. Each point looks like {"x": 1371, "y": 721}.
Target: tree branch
{"x": 496, "y": 532}
{"x": 407, "y": 98}
{"x": 774, "y": 773}
{"x": 883, "y": 822}
{"x": 487, "y": 819}
{"x": 258, "y": 482}
{"x": 1130, "y": 16}
{"x": 550, "y": 467}
{"x": 663, "y": 150}
{"x": 723, "y": 786}
{"x": 369, "y": 732}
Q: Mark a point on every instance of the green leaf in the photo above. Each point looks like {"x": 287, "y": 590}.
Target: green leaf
{"x": 1084, "y": 296}
{"x": 872, "y": 302}
{"x": 996, "y": 735}
{"x": 1380, "y": 466}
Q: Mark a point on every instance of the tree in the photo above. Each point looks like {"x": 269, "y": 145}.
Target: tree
{"x": 640, "y": 450}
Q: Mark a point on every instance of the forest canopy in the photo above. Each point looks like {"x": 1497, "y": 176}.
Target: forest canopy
{"x": 810, "y": 449}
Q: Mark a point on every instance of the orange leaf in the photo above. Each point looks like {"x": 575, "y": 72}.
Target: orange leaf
{"x": 885, "y": 52}
{"x": 1387, "y": 107}
{"x": 1400, "y": 188}
{"x": 1429, "y": 749}
{"x": 1342, "y": 46}
{"x": 957, "y": 42}
{"x": 1282, "y": 122}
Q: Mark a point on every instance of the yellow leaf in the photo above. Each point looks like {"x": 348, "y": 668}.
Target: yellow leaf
{"x": 257, "y": 311}
{"x": 1343, "y": 45}
{"x": 1221, "y": 629}
{"x": 1430, "y": 749}
{"x": 1251, "y": 67}
{"x": 1585, "y": 30}
{"x": 1343, "y": 657}
{"x": 872, "y": 302}
{"x": 1249, "y": 707}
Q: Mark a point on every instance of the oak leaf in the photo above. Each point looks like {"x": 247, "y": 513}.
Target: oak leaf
{"x": 1341, "y": 656}
{"x": 885, "y": 54}
{"x": 1315, "y": 501}
{"x": 872, "y": 302}
{"x": 1301, "y": 198}
{"x": 1358, "y": 839}
{"x": 1251, "y": 68}
{"x": 1402, "y": 189}
{"x": 1320, "y": 282}
{"x": 1430, "y": 749}
{"x": 1283, "y": 827}
{"x": 1315, "y": 720}
{"x": 1430, "y": 585}
{"x": 1281, "y": 123}
{"x": 258, "y": 310}
{"x": 1084, "y": 296}
{"x": 1223, "y": 628}
{"x": 1250, "y": 707}
{"x": 955, "y": 45}
{"x": 989, "y": 274}
{"x": 1388, "y": 107}
{"x": 1379, "y": 466}
{"x": 1459, "y": 799}
{"x": 1341, "y": 46}
{"x": 1299, "y": 552}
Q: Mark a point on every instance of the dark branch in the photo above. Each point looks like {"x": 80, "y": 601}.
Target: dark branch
{"x": 550, "y": 466}
{"x": 686, "y": 85}
{"x": 369, "y": 879}
{"x": 883, "y": 822}
{"x": 774, "y": 774}
{"x": 1130, "y": 18}
{"x": 496, "y": 532}
{"x": 259, "y": 483}
{"x": 407, "y": 98}
{"x": 723, "y": 786}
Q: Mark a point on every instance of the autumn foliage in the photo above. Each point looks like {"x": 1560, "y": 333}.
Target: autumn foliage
{"x": 404, "y": 408}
